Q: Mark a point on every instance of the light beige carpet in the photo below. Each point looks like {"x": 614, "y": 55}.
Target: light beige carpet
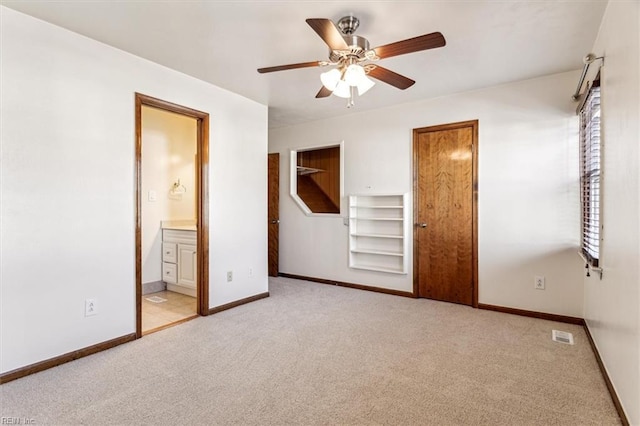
{"x": 319, "y": 354}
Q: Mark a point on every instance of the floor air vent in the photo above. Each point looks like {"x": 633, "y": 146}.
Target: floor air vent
{"x": 562, "y": 337}
{"x": 158, "y": 299}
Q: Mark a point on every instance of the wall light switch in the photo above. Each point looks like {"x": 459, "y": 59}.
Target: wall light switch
{"x": 153, "y": 196}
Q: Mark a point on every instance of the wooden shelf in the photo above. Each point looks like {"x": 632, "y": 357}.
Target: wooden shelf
{"x": 378, "y": 229}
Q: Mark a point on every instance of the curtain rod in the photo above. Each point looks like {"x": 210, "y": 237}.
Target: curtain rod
{"x": 588, "y": 60}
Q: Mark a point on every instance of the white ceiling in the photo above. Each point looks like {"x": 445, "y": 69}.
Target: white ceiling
{"x": 224, "y": 42}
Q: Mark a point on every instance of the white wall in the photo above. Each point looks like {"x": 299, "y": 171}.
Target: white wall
{"x": 612, "y": 305}
{"x": 67, "y": 187}
{"x": 528, "y": 189}
{"x": 168, "y": 155}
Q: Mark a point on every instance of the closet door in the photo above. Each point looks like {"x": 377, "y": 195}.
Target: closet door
{"x": 445, "y": 197}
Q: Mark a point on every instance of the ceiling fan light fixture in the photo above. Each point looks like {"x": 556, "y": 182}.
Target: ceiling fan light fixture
{"x": 330, "y": 79}
{"x": 354, "y": 75}
{"x": 364, "y": 85}
{"x": 348, "y": 52}
{"x": 342, "y": 90}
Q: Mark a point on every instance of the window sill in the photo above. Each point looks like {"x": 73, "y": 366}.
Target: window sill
{"x": 589, "y": 265}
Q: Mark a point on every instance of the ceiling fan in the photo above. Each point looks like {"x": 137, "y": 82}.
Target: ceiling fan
{"x": 354, "y": 60}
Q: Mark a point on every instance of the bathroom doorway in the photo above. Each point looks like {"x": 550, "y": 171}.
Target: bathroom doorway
{"x": 171, "y": 214}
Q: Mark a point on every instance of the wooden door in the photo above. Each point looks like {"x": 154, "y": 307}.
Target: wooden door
{"x": 273, "y": 196}
{"x": 445, "y": 212}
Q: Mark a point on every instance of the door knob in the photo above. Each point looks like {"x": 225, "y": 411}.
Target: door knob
{"x": 275, "y": 221}
{"x": 421, "y": 225}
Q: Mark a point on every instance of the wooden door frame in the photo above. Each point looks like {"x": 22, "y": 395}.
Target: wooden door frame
{"x": 474, "y": 205}
{"x": 202, "y": 179}
{"x": 275, "y": 155}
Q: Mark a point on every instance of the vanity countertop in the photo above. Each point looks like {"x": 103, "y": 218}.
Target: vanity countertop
{"x": 180, "y": 225}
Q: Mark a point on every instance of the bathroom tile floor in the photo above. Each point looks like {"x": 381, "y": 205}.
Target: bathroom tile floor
{"x": 156, "y": 315}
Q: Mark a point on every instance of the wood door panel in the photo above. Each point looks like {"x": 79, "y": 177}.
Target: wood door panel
{"x": 273, "y": 196}
{"x": 444, "y": 200}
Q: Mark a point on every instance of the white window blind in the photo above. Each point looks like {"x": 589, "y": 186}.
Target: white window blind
{"x": 590, "y": 174}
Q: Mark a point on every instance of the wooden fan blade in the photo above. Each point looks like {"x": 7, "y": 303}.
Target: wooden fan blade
{"x": 289, "y": 67}
{"x": 328, "y": 32}
{"x": 324, "y": 92}
{"x": 390, "y": 77}
{"x": 416, "y": 44}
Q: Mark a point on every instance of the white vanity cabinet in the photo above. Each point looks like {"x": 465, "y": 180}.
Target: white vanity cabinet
{"x": 179, "y": 261}
{"x": 187, "y": 262}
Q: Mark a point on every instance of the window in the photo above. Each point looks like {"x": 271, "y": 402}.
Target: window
{"x": 590, "y": 174}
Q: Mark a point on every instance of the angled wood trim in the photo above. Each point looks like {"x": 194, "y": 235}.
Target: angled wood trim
{"x": 474, "y": 124}
{"x": 202, "y": 135}
{"x": 533, "y": 314}
{"x": 62, "y": 359}
{"x": 607, "y": 380}
{"x": 349, "y": 285}
{"x": 238, "y": 303}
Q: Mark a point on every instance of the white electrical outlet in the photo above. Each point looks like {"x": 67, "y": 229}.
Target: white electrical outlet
{"x": 229, "y": 276}
{"x": 250, "y": 272}
{"x": 90, "y": 307}
{"x": 538, "y": 282}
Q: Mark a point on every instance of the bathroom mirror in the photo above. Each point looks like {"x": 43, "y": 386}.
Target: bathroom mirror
{"x": 317, "y": 179}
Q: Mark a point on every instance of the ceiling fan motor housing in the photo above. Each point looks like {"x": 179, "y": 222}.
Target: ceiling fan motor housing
{"x": 357, "y": 47}
{"x": 348, "y": 24}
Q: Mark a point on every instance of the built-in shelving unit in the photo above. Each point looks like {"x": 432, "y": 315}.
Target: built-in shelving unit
{"x": 378, "y": 232}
